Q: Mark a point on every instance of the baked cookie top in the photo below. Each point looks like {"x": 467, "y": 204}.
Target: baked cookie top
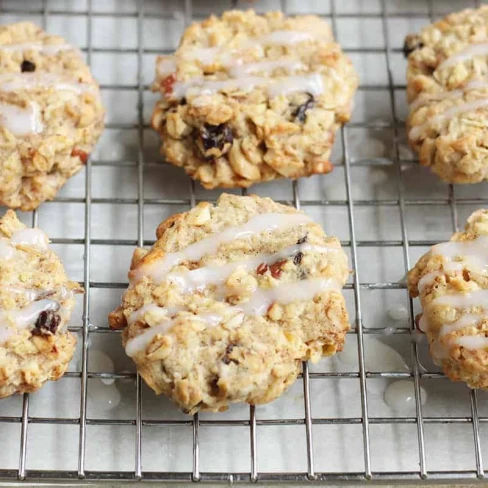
{"x": 36, "y": 300}
{"x": 249, "y": 98}
{"x": 227, "y": 296}
{"x": 452, "y": 284}
{"x": 50, "y": 114}
{"x": 447, "y": 89}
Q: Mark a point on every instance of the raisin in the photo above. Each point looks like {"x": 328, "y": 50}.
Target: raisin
{"x": 276, "y": 268}
{"x": 261, "y": 269}
{"x": 411, "y": 44}
{"x": 300, "y": 112}
{"x": 226, "y": 359}
{"x": 47, "y": 322}
{"x": 81, "y": 154}
{"x": 215, "y": 137}
{"x": 298, "y": 258}
{"x": 302, "y": 240}
{"x": 27, "y": 66}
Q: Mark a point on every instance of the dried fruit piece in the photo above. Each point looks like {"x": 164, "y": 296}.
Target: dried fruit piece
{"x": 81, "y": 154}
{"x": 261, "y": 269}
{"x": 297, "y": 259}
{"x": 302, "y": 239}
{"x": 47, "y": 322}
{"x": 167, "y": 84}
{"x": 27, "y": 66}
{"x": 228, "y": 350}
{"x": 301, "y": 111}
{"x": 276, "y": 268}
{"x": 412, "y": 42}
{"x": 215, "y": 139}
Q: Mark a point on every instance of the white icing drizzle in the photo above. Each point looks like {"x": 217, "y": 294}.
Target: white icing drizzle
{"x": 258, "y": 304}
{"x": 286, "y": 293}
{"x": 141, "y": 341}
{"x": 30, "y": 237}
{"x": 416, "y": 132}
{"x": 21, "y": 121}
{"x": 311, "y": 83}
{"x": 215, "y": 274}
{"x": 472, "y": 342}
{"x": 467, "y": 53}
{"x": 12, "y": 320}
{"x": 453, "y": 94}
{"x": 238, "y": 70}
{"x": 466, "y": 320}
{"x": 208, "y": 55}
{"x": 474, "y": 252}
{"x": 10, "y": 82}
{"x": 37, "y": 46}
{"x": 476, "y": 298}
{"x": 259, "y": 223}
{"x": 6, "y": 250}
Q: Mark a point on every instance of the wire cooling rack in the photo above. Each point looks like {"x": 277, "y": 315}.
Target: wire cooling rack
{"x": 333, "y": 425}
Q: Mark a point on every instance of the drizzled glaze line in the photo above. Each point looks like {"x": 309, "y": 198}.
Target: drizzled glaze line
{"x": 416, "y": 132}
{"x": 10, "y": 82}
{"x": 157, "y": 270}
{"x": 215, "y": 274}
{"x": 310, "y": 83}
{"x": 452, "y": 94}
{"x": 37, "y": 46}
{"x": 15, "y": 320}
{"x": 258, "y": 304}
{"x": 208, "y": 55}
{"x": 467, "y": 53}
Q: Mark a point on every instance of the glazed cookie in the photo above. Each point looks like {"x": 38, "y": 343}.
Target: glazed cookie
{"x": 249, "y": 98}
{"x": 448, "y": 95}
{"x": 452, "y": 283}
{"x": 36, "y": 302}
{"x": 230, "y": 300}
{"x": 50, "y": 114}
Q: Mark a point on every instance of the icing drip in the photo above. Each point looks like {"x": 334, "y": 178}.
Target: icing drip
{"x": 21, "y": 121}
{"x": 467, "y": 53}
{"x": 215, "y": 274}
{"x": 416, "y": 132}
{"x": 12, "y": 320}
{"x": 269, "y": 222}
{"x": 6, "y": 250}
{"x": 165, "y": 66}
{"x": 30, "y": 237}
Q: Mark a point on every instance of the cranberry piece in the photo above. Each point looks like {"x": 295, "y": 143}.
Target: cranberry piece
{"x": 47, "y": 323}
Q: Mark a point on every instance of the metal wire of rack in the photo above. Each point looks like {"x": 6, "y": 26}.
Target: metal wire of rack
{"x": 366, "y": 420}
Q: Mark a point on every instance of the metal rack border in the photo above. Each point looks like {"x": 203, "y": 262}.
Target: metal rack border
{"x": 87, "y": 328}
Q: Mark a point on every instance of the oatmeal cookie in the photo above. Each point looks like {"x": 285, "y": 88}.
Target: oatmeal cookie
{"x": 36, "y": 301}
{"x": 448, "y": 94}
{"x": 452, "y": 283}
{"x": 230, "y": 300}
{"x": 249, "y": 98}
{"x": 51, "y": 114}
